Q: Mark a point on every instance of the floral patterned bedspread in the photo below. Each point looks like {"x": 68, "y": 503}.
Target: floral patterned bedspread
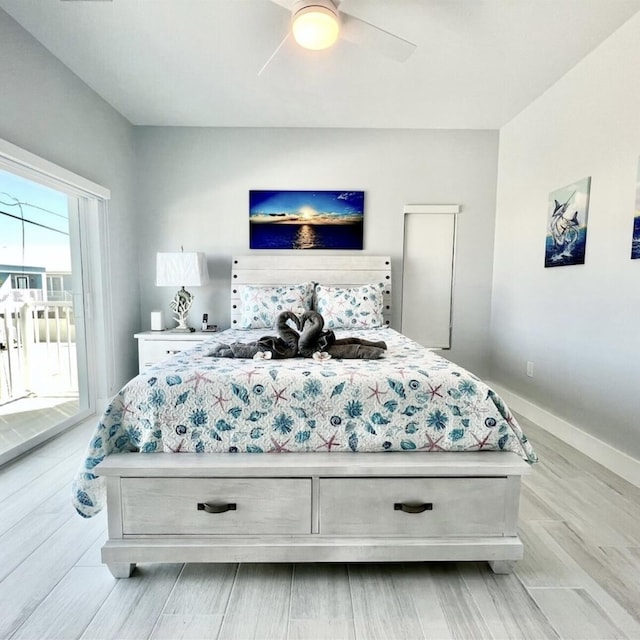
{"x": 410, "y": 400}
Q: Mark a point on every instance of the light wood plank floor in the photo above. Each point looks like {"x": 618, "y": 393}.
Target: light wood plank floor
{"x": 580, "y": 577}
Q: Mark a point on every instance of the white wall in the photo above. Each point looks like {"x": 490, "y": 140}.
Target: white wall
{"x": 579, "y": 324}
{"x": 47, "y": 110}
{"x": 193, "y": 187}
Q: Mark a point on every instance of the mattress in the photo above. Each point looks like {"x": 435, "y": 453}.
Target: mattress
{"x": 410, "y": 400}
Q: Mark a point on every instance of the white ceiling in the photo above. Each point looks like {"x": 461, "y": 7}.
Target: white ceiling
{"x": 478, "y": 63}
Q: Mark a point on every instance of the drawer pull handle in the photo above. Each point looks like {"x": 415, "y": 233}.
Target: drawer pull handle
{"x": 210, "y": 507}
{"x": 414, "y": 507}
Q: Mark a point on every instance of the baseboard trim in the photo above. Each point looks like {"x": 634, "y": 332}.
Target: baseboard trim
{"x": 613, "y": 459}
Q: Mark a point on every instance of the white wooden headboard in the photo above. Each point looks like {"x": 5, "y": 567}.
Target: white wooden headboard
{"x": 332, "y": 271}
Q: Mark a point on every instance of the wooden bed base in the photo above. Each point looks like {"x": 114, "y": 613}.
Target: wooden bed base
{"x": 319, "y": 507}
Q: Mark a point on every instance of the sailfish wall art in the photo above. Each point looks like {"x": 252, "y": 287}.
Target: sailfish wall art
{"x": 567, "y": 224}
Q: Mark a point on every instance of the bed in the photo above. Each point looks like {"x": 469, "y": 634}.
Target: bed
{"x": 403, "y": 458}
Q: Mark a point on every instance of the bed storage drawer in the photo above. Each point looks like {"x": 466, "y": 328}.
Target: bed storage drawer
{"x": 412, "y": 506}
{"x": 210, "y": 506}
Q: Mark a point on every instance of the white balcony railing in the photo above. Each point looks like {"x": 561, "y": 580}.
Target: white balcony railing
{"x": 37, "y": 350}
{"x": 13, "y": 297}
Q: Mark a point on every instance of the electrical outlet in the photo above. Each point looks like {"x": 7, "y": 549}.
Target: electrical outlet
{"x": 530, "y": 369}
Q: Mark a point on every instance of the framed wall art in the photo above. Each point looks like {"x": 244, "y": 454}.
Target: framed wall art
{"x": 306, "y": 219}
{"x": 635, "y": 239}
{"x": 567, "y": 224}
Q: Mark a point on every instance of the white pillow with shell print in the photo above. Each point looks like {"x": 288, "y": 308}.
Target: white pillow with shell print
{"x": 260, "y": 306}
{"x": 350, "y": 307}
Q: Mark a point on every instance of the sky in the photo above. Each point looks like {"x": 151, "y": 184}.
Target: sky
{"x": 44, "y": 246}
{"x": 307, "y": 205}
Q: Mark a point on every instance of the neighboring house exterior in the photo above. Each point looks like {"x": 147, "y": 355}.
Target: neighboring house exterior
{"x": 26, "y": 284}
{"x": 58, "y": 286}
{"x": 33, "y": 284}
{"x": 22, "y": 283}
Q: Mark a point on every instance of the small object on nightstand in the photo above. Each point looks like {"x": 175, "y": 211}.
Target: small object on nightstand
{"x": 210, "y": 327}
{"x": 157, "y": 321}
{"x": 205, "y": 319}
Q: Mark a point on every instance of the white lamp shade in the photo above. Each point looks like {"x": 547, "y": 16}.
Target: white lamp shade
{"x": 181, "y": 269}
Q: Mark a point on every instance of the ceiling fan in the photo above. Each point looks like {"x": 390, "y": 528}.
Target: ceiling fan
{"x": 317, "y": 24}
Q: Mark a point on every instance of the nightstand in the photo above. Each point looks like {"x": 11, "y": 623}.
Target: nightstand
{"x": 154, "y": 346}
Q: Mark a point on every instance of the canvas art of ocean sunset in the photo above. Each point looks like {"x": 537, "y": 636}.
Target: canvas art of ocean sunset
{"x": 306, "y": 219}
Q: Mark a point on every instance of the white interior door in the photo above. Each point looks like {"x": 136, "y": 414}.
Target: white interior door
{"x": 427, "y": 273}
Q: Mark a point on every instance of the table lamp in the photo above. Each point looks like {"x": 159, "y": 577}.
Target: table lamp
{"x": 180, "y": 269}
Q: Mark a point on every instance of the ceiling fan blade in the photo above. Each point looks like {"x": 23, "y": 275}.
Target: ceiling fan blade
{"x": 362, "y": 33}
{"x": 283, "y": 44}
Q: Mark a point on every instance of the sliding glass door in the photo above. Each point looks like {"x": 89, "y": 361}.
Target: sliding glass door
{"x": 44, "y": 382}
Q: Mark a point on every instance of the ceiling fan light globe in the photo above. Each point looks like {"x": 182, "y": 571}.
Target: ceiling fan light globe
{"x": 315, "y": 28}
